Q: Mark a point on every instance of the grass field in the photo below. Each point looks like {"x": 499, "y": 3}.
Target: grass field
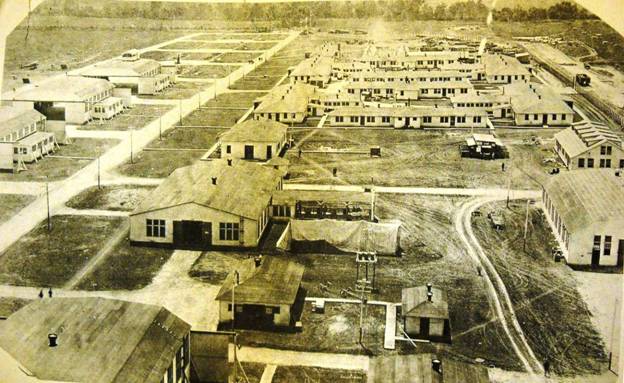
{"x": 159, "y": 55}
{"x": 206, "y": 71}
{"x": 9, "y": 305}
{"x": 53, "y": 169}
{"x": 236, "y": 57}
{"x": 213, "y": 117}
{"x": 114, "y": 197}
{"x": 12, "y": 203}
{"x": 137, "y": 117}
{"x": 126, "y": 267}
{"x": 234, "y": 99}
{"x": 288, "y": 374}
{"x": 433, "y": 253}
{"x": 197, "y": 56}
{"x": 42, "y": 258}
{"x": 417, "y": 158}
{"x": 187, "y": 44}
{"x": 548, "y": 306}
{"x": 253, "y": 371}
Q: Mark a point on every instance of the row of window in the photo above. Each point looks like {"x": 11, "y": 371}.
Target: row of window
{"x": 425, "y": 119}
{"x": 277, "y": 115}
{"x": 407, "y": 79}
{"x": 21, "y": 133}
{"x": 268, "y": 310}
{"x": 603, "y": 163}
{"x": 156, "y": 228}
{"x": 475, "y": 104}
{"x": 24, "y": 150}
{"x": 516, "y": 77}
{"x": 605, "y": 150}
{"x": 536, "y": 117}
{"x": 607, "y": 244}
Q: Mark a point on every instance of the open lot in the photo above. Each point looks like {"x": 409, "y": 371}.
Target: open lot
{"x": 12, "y": 203}
{"x": 57, "y": 167}
{"x": 432, "y": 252}
{"x": 137, "y": 118}
{"x": 253, "y": 371}
{"x": 236, "y": 57}
{"x": 187, "y": 44}
{"x": 287, "y": 374}
{"x": 259, "y": 82}
{"x": 179, "y": 90}
{"x": 416, "y": 158}
{"x": 213, "y": 117}
{"x": 160, "y": 163}
{"x": 9, "y": 305}
{"x": 206, "y": 71}
{"x": 159, "y": 55}
{"x": 42, "y": 258}
{"x": 234, "y": 99}
{"x": 126, "y": 267}
{"x": 548, "y": 306}
{"x": 114, "y": 197}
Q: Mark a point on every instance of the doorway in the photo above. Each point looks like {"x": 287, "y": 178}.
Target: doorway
{"x": 595, "y": 261}
{"x": 362, "y": 120}
{"x": 620, "y": 253}
{"x": 424, "y": 327}
{"x": 249, "y": 152}
{"x": 192, "y": 234}
{"x": 269, "y": 152}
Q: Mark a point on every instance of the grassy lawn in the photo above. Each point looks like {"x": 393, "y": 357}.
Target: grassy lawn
{"x": 159, "y": 55}
{"x": 137, "y": 117}
{"x": 42, "y": 258}
{"x": 256, "y": 45}
{"x": 184, "y": 137}
{"x": 234, "y": 99}
{"x": 186, "y": 44}
{"x": 180, "y": 90}
{"x": 237, "y": 57}
{"x": 287, "y": 374}
{"x": 548, "y": 306}
{"x": 197, "y": 56}
{"x": 114, "y": 197}
{"x": 53, "y": 169}
{"x": 126, "y": 267}
{"x": 334, "y": 331}
{"x": 12, "y": 203}
{"x": 253, "y": 371}
{"x": 423, "y": 158}
{"x": 206, "y": 71}
{"x": 255, "y": 81}
{"x": 158, "y": 164}
{"x": 9, "y": 305}
{"x": 213, "y": 117}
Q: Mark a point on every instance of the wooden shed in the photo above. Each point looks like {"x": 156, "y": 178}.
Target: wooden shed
{"x": 425, "y": 313}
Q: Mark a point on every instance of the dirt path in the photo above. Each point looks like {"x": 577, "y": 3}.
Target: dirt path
{"x": 301, "y": 358}
{"x": 496, "y": 287}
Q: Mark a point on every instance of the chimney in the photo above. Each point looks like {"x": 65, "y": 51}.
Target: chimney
{"x": 214, "y": 180}
{"x": 52, "y": 338}
{"x": 429, "y": 285}
{"x": 229, "y": 162}
{"x": 258, "y": 260}
{"x": 436, "y": 365}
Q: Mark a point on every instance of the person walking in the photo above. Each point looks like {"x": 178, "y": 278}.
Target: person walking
{"x": 547, "y": 367}
{"x": 40, "y": 294}
{"x": 503, "y": 166}
{"x": 50, "y": 292}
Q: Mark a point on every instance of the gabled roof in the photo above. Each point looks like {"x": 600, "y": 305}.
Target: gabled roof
{"x": 262, "y": 130}
{"x": 99, "y": 340}
{"x": 314, "y": 66}
{"x": 592, "y": 133}
{"x": 289, "y": 98}
{"x": 418, "y": 369}
{"x": 121, "y": 68}
{"x": 539, "y": 104}
{"x": 414, "y": 303}
{"x": 13, "y": 119}
{"x": 276, "y": 281}
{"x": 586, "y": 197}
{"x": 63, "y": 88}
{"x": 243, "y": 189}
{"x": 496, "y": 65}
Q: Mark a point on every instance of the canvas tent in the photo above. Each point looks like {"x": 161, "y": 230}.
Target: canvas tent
{"x": 347, "y": 236}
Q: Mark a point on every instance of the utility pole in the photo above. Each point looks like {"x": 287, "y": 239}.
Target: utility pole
{"x": 236, "y": 283}
{"x": 508, "y": 186}
{"x": 180, "y": 110}
{"x": 526, "y": 225}
{"x": 48, "y": 204}
{"x": 98, "y": 168}
{"x": 131, "y": 145}
{"x": 160, "y": 128}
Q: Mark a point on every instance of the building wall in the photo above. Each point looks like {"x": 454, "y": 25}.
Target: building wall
{"x": 616, "y": 157}
{"x": 285, "y": 118}
{"x": 6, "y": 155}
{"x": 436, "y": 326}
{"x": 414, "y": 122}
{"x": 281, "y": 319}
{"x": 193, "y": 212}
{"x": 505, "y": 79}
{"x": 562, "y": 119}
{"x": 237, "y": 149}
{"x": 578, "y": 245}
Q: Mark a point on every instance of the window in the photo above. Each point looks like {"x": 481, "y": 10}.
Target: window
{"x": 526, "y": 117}
{"x": 607, "y": 163}
{"x": 228, "y": 231}
{"x": 268, "y": 310}
{"x": 353, "y": 119}
{"x": 427, "y": 119}
{"x": 477, "y": 119}
{"x": 155, "y": 228}
{"x": 581, "y": 162}
{"x": 170, "y": 374}
{"x": 444, "y": 119}
{"x": 596, "y": 242}
{"x": 607, "y": 245}
{"x": 603, "y": 150}
{"x": 14, "y": 150}
{"x": 339, "y": 119}
{"x": 554, "y": 117}
{"x": 602, "y": 163}
{"x": 590, "y": 162}
{"x": 535, "y": 116}
{"x": 228, "y": 149}
{"x": 461, "y": 119}
{"x": 385, "y": 119}
{"x": 621, "y": 164}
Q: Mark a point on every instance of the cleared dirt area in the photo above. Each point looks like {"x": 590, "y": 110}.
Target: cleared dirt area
{"x": 115, "y": 197}
{"x": 42, "y": 258}
{"x": 410, "y": 157}
{"x": 12, "y": 203}
{"x": 555, "y": 319}
{"x": 288, "y": 374}
{"x": 126, "y": 267}
{"x": 137, "y": 118}
{"x": 206, "y": 71}
{"x": 432, "y": 252}
{"x": 55, "y": 168}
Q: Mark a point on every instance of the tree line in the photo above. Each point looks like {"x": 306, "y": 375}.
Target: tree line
{"x": 303, "y": 13}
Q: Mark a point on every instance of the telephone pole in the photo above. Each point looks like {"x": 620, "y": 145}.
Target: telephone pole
{"x": 526, "y": 225}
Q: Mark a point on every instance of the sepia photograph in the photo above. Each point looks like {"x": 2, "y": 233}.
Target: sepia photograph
{"x": 311, "y": 191}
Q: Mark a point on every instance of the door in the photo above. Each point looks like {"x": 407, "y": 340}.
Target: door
{"x": 192, "y": 234}
{"x": 452, "y": 120}
{"x": 362, "y": 121}
{"x": 424, "y": 327}
{"x": 269, "y": 152}
{"x": 545, "y": 119}
{"x": 443, "y": 92}
{"x": 503, "y": 112}
{"x": 595, "y": 262}
{"x": 249, "y": 152}
{"x": 407, "y": 122}
{"x": 620, "y": 253}
{"x": 277, "y": 116}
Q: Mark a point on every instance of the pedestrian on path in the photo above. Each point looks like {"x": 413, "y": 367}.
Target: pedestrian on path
{"x": 41, "y": 294}
{"x": 547, "y": 367}
{"x": 50, "y": 292}
{"x": 503, "y": 166}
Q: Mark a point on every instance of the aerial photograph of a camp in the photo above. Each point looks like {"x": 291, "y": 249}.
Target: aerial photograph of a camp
{"x": 311, "y": 191}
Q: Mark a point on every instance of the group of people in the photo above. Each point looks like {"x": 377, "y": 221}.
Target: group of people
{"x": 49, "y": 293}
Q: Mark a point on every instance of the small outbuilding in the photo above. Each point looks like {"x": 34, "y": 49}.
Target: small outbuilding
{"x": 425, "y": 313}
{"x": 23, "y": 137}
{"x": 254, "y": 140}
{"x": 484, "y": 146}
{"x": 266, "y": 292}
{"x": 424, "y": 368}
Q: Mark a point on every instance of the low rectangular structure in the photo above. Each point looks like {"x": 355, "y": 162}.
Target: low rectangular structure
{"x": 589, "y": 145}
{"x": 254, "y": 140}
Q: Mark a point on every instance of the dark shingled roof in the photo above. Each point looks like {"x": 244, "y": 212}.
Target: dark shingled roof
{"x": 276, "y": 281}
{"x": 99, "y": 340}
{"x": 418, "y": 369}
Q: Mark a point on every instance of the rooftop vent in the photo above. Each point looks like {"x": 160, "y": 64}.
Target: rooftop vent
{"x": 429, "y": 285}
{"x": 436, "y": 365}
{"x": 52, "y": 340}
{"x": 214, "y": 180}
{"x": 429, "y": 296}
